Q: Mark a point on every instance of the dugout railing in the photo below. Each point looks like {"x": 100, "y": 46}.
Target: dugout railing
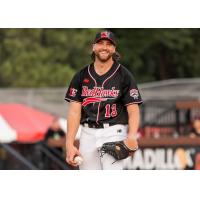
{"x": 167, "y": 118}
{"x": 18, "y": 156}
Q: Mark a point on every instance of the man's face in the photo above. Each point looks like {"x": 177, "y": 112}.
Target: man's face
{"x": 103, "y": 49}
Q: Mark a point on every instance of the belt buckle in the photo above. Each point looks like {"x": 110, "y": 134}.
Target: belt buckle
{"x": 106, "y": 125}
{"x": 98, "y": 126}
{"x": 91, "y": 125}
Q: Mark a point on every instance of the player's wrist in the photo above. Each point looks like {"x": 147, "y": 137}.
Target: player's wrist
{"x": 69, "y": 143}
{"x": 131, "y": 143}
{"x": 132, "y": 136}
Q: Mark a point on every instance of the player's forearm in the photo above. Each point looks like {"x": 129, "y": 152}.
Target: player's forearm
{"x": 133, "y": 120}
{"x": 73, "y": 123}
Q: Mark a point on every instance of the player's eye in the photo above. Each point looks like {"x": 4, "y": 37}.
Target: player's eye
{"x": 100, "y": 42}
{"x": 109, "y": 44}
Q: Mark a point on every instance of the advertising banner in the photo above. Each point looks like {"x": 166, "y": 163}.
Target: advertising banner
{"x": 165, "y": 158}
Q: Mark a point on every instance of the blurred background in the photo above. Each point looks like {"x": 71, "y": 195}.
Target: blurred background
{"x": 36, "y": 66}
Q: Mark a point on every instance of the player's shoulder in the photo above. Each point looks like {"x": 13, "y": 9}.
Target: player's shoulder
{"x": 81, "y": 72}
{"x": 125, "y": 71}
{"x": 85, "y": 68}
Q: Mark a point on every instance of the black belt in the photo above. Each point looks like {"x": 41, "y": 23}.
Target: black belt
{"x": 95, "y": 125}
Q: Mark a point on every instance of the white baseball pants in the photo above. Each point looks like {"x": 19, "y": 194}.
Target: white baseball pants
{"x": 91, "y": 139}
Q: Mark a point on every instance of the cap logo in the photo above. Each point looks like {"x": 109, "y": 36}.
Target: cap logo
{"x": 105, "y": 34}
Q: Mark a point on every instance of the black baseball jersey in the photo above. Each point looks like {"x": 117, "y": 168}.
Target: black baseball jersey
{"x": 104, "y": 98}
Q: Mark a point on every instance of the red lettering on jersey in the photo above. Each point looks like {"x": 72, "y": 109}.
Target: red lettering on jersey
{"x": 111, "y": 112}
{"x": 99, "y": 92}
{"x": 107, "y": 114}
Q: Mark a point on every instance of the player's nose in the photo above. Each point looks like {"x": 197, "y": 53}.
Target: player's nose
{"x": 104, "y": 46}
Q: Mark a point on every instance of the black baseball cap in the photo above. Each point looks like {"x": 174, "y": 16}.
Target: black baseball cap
{"x": 105, "y": 35}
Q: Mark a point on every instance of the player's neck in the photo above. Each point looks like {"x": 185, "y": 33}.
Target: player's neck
{"x": 102, "y": 67}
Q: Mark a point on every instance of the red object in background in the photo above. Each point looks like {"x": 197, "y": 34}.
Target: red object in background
{"x": 29, "y": 123}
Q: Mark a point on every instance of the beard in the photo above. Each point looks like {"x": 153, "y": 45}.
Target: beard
{"x": 103, "y": 58}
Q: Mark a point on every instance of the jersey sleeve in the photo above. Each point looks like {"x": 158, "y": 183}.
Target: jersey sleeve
{"x": 74, "y": 90}
{"x": 131, "y": 94}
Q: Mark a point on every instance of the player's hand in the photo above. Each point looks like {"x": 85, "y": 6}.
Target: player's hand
{"x": 131, "y": 143}
{"x": 71, "y": 152}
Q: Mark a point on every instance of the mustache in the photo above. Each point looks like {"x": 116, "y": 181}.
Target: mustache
{"x": 104, "y": 50}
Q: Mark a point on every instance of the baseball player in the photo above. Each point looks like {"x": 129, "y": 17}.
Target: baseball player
{"x": 104, "y": 100}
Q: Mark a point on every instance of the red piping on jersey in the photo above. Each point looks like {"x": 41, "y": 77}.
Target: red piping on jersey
{"x": 133, "y": 103}
{"x": 92, "y": 76}
{"x": 89, "y": 100}
{"x": 95, "y": 84}
{"x": 111, "y": 75}
{"x": 97, "y": 119}
{"x": 72, "y": 100}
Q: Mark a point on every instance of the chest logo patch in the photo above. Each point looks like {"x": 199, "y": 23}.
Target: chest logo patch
{"x": 86, "y": 80}
{"x": 72, "y": 92}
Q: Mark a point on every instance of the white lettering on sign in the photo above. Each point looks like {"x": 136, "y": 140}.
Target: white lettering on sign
{"x": 160, "y": 158}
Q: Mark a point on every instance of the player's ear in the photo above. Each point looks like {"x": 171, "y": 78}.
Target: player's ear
{"x": 114, "y": 48}
{"x": 93, "y": 47}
